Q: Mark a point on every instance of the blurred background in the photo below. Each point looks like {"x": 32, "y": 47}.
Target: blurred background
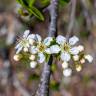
{"x": 17, "y": 79}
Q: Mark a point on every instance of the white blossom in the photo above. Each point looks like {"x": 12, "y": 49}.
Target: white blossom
{"x": 23, "y": 44}
{"x": 67, "y": 48}
{"x": 37, "y": 48}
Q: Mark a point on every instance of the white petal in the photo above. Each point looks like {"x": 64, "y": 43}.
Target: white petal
{"x": 17, "y": 46}
{"x": 33, "y": 50}
{"x": 67, "y": 72}
{"x": 55, "y": 49}
{"x": 33, "y": 64}
{"x": 48, "y": 40}
{"x": 60, "y": 39}
{"x": 18, "y": 50}
{"x": 31, "y": 41}
{"x": 31, "y": 36}
{"x": 89, "y": 58}
{"x": 41, "y": 57}
{"x": 65, "y": 56}
{"x": 48, "y": 51}
{"x": 73, "y": 40}
{"x": 38, "y": 37}
{"x": 74, "y": 50}
{"x": 26, "y": 33}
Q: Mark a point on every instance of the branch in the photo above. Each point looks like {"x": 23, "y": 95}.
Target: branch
{"x": 72, "y": 18}
{"x": 43, "y": 89}
{"x": 87, "y": 16}
{"x": 19, "y": 87}
{"x": 95, "y": 4}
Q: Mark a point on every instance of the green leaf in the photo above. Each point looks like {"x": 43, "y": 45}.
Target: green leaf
{"x": 18, "y": 1}
{"x": 31, "y": 2}
{"x": 23, "y": 3}
{"x": 27, "y": 4}
{"x": 33, "y": 10}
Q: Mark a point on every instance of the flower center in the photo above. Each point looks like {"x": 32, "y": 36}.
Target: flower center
{"x": 41, "y": 47}
{"x": 66, "y": 47}
{"x": 24, "y": 43}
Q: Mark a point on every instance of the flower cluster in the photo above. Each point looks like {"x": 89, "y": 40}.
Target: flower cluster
{"x": 36, "y": 50}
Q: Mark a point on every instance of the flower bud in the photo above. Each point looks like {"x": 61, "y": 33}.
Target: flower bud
{"x": 32, "y": 57}
{"x": 80, "y": 48}
{"x": 67, "y": 72}
{"x": 25, "y": 49}
{"x": 64, "y": 65}
{"x": 82, "y": 61}
{"x": 76, "y": 57}
{"x": 16, "y": 57}
{"x": 33, "y": 64}
{"x": 89, "y": 58}
{"x": 78, "y": 68}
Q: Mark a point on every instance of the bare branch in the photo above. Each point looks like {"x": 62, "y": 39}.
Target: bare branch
{"x": 18, "y": 86}
{"x": 72, "y": 18}
{"x": 43, "y": 89}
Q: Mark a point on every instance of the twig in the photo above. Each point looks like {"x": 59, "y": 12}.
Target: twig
{"x": 95, "y": 4}
{"x": 72, "y": 18}
{"x": 43, "y": 89}
{"x": 18, "y": 86}
{"x": 86, "y": 15}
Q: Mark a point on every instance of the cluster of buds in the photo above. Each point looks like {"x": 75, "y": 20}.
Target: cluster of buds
{"x": 36, "y": 50}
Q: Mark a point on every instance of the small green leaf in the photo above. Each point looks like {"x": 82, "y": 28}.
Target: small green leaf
{"x": 31, "y": 9}
{"x": 36, "y": 13}
{"x": 31, "y": 2}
